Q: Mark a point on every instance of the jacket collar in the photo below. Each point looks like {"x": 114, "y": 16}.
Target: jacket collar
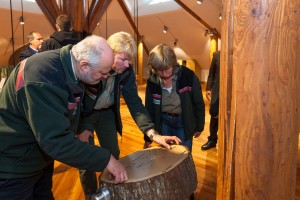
{"x": 65, "y": 57}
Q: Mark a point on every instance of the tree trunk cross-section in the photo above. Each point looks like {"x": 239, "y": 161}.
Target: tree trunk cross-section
{"x": 155, "y": 173}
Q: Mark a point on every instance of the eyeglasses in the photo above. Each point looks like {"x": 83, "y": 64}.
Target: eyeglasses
{"x": 167, "y": 70}
{"x": 124, "y": 59}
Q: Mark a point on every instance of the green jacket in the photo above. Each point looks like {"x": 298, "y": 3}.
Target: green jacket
{"x": 39, "y": 114}
{"x": 125, "y": 85}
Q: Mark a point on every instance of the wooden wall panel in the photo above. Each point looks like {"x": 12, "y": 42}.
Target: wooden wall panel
{"x": 259, "y": 109}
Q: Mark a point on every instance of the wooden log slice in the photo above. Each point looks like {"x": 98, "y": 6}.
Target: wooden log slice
{"x": 155, "y": 173}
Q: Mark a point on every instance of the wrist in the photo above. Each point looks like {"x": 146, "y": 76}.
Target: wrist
{"x": 151, "y": 133}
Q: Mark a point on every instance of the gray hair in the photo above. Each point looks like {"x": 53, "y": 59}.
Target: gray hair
{"x": 89, "y": 50}
{"x": 162, "y": 57}
{"x": 30, "y": 36}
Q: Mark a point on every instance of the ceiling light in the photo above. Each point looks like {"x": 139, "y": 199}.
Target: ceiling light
{"x": 175, "y": 42}
{"x": 206, "y": 32}
{"x": 213, "y": 31}
{"x": 220, "y": 16}
{"x": 21, "y": 20}
{"x": 165, "y": 29}
{"x": 199, "y": 1}
{"x": 210, "y": 32}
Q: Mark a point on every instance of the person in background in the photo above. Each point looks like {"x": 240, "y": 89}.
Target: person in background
{"x": 174, "y": 97}
{"x": 35, "y": 40}
{"x": 39, "y": 113}
{"x": 212, "y": 94}
{"x": 102, "y": 106}
{"x": 63, "y": 36}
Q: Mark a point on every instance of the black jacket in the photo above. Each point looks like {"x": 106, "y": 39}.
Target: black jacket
{"x": 59, "y": 39}
{"x": 191, "y": 99}
{"x": 214, "y": 77}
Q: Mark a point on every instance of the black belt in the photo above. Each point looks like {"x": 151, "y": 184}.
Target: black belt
{"x": 103, "y": 108}
{"x": 172, "y": 114}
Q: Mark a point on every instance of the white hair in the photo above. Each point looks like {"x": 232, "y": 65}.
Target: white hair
{"x": 89, "y": 49}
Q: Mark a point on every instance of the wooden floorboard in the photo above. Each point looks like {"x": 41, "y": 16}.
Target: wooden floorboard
{"x": 66, "y": 183}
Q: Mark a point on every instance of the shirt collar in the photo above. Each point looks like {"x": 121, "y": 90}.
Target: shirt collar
{"x": 36, "y": 51}
{"x": 73, "y": 67}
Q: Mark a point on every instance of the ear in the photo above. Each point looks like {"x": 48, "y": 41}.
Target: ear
{"x": 57, "y": 27}
{"x": 84, "y": 65}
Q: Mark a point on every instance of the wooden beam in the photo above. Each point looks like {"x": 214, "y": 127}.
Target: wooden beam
{"x": 50, "y": 10}
{"x": 77, "y": 13}
{"x": 197, "y": 17}
{"x": 96, "y": 13}
{"x": 88, "y": 15}
{"x": 129, "y": 18}
{"x": 65, "y": 6}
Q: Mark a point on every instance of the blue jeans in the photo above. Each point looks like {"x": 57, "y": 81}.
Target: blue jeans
{"x": 173, "y": 126}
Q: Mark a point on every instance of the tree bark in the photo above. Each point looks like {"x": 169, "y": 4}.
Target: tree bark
{"x": 156, "y": 173}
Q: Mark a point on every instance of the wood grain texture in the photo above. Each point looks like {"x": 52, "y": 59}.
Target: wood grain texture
{"x": 66, "y": 183}
{"x": 155, "y": 173}
{"x": 259, "y": 68}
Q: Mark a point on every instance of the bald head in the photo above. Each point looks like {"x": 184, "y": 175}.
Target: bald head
{"x": 95, "y": 54}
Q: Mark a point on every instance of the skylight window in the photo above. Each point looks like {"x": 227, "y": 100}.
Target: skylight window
{"x": 151, "y": 2}
{"x": 149, "y": 7}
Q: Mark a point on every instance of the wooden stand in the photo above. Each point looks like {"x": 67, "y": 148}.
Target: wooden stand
{"x": 155, "y": 173}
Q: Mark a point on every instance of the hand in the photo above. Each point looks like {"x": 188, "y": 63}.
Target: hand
{"x": 85, "y": 135}
{"x": 208, "y": 95}
{"x": 116, "y": 170}
{"x": 197, "y": 134}
{"x": 166, "y": 140}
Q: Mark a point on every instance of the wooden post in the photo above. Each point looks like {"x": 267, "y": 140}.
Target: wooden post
{"x": 213, "y": 46}
{"x": 140, "y": 63}
{"x": 259, "y": 101}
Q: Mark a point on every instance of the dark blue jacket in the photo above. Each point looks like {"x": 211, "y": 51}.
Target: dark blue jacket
{"x": 27, "y": 53}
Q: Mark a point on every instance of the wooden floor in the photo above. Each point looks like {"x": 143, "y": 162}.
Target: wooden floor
{"x": 66, "y": 182}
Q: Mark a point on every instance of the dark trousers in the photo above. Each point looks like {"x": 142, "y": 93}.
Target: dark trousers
{"x": 214, "y": 121}
{"x": 37, "y": 187}
{"x": 103, "y": 123}
{"x": 213, "y": 129}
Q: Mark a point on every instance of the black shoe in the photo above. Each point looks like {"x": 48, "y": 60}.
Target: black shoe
{"x": 147, "y": 145}
{"x": 192, "y": 197}
{"x": 208, "y": 145}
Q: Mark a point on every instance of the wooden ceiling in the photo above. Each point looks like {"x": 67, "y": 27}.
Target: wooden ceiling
{"x": 86, "y": 15}
{"x": 187, "y": 23}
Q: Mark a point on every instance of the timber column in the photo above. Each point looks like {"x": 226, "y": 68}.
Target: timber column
{"x": 213, "y": 46}
{"x": 140, "y": 63}
{"x": 259, "y": 101}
